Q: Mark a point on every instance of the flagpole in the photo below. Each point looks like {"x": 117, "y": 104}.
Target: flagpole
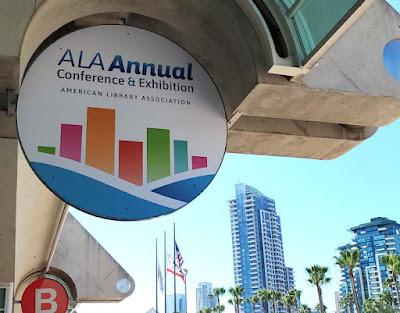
{"x": 186, "y": 301}
{"x": 165, "y": 272}
{"x": 157, "y": 276}
{"x": 174, "y": 272}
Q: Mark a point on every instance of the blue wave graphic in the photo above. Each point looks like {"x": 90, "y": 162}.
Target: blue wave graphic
{"x": 95, "y": 197}
{"x": 185, "y": 190}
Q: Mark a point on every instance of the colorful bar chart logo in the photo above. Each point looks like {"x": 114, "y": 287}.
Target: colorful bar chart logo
{"x": 113, "y": 149}
{"x": 100, "y": 149}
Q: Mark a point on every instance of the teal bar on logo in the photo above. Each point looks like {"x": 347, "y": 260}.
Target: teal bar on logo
{"x": 158, "y": 154}
{"x": 181, "y": 156}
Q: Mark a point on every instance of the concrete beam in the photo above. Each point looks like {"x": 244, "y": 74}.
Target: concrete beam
{"x": 298, "y": 102}
{"x": 302, "y": 128}
{"x": 293, "y": 138}
{"x": 288, "y": 146}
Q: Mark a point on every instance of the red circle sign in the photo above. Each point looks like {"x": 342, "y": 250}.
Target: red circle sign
{"x": 44, "y": 296}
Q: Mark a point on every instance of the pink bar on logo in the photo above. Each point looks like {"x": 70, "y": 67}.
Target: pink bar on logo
{"x": 71, "y": 142}
{"x": 199, "y": 162}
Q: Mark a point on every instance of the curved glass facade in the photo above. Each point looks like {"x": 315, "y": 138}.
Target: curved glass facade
{"x": 316, "y": 20}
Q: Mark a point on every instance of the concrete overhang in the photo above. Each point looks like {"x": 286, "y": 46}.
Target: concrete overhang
{"x": 235, "y": 43}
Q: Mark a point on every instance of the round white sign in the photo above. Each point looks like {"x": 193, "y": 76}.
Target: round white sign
{"x": 121, "y": 122}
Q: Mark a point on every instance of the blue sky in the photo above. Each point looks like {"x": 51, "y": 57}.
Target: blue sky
{"x": 318, "y": 201}
{"x": 395, "y": 4}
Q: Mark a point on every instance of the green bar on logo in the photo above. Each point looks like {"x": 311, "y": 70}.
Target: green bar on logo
{"x": 158, "y": 154}
{"x": 47, "y": 150}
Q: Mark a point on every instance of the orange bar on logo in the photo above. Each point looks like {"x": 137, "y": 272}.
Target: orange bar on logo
{"x": 100, "y": 139}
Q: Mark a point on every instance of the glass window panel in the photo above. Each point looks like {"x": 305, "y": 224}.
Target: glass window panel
{"x": 2, "y": 298}
{"x": 315, "y": 19}
{"x": 321, "y": 17}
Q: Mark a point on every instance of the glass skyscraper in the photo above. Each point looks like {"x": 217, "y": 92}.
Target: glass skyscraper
{"x": 258, "y": 256}
{"x": 180, "y": 303}
{"x": 204, "y": 297}
{"x": 375, "y": 239}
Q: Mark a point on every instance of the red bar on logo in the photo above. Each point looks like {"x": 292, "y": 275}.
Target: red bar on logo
{"x": 199, "y": 162}
{"x": 131, "y": 162}
{"x": 71, "y": 142}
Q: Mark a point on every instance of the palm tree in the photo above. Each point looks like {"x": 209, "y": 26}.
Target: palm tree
{"x": 318, "y": 278}
{"x": 219, "y": 308}
{"x": 386, "y": 297}
{"x": 289, "y": 299}
{"x": 263, "y": 297}
{"x": 253, "y": 300}
{"x": 237, "y": 297}
{"x": 296, "y": 294}
{"x": 350, "y": 259}
{"x": 347, "y": 302}
{"x": 377, "y": 306}
{"x": 370, "y": 306}
{"x": 274, "y": 297}
{"x": 206, "y": 310}
{"x": 318, "y": 308}
{"x": 392, "y": 262}
{"x": 218, "y": 292}
{"x": 304, "y": 309}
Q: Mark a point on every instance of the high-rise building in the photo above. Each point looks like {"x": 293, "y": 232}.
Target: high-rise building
{"x": 289, "y": 276}
{"x": 375, "y": 239}
{"x": 180, "y": 303}
{"x": 204, "y": 296}
{"x": 337, "y": 301}
{"x": 258, "y": 256}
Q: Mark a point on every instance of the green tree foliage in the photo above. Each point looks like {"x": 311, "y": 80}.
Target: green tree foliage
{"x": 218, "y": 292}
{"x": 289, "y": 300}
{"x": 253, "y": 300}
{"x": 274, "y": 297}
{"x": 377, "y": 306}
{"x": 349, "y": 259}
{"x": 218, "y": 308}
{"x": 263, "y": 297}
{"x": 347, "y": 302}
{"x": 296, "y": 294}
{"x": 304, "y": 309}
{"x": 237, "y": 297}
{"x": 392, "y": 262}
{"x": 318, "y": 277}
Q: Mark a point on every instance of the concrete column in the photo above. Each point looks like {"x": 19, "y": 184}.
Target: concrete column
{"x": 8, "y": 183}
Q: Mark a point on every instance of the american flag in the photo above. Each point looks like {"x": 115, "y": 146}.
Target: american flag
{"x": 171, "y": 270}
{"x": 179, "y": 258}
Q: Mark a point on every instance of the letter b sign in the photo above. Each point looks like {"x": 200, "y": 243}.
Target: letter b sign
{"x": 44, "y": 296}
